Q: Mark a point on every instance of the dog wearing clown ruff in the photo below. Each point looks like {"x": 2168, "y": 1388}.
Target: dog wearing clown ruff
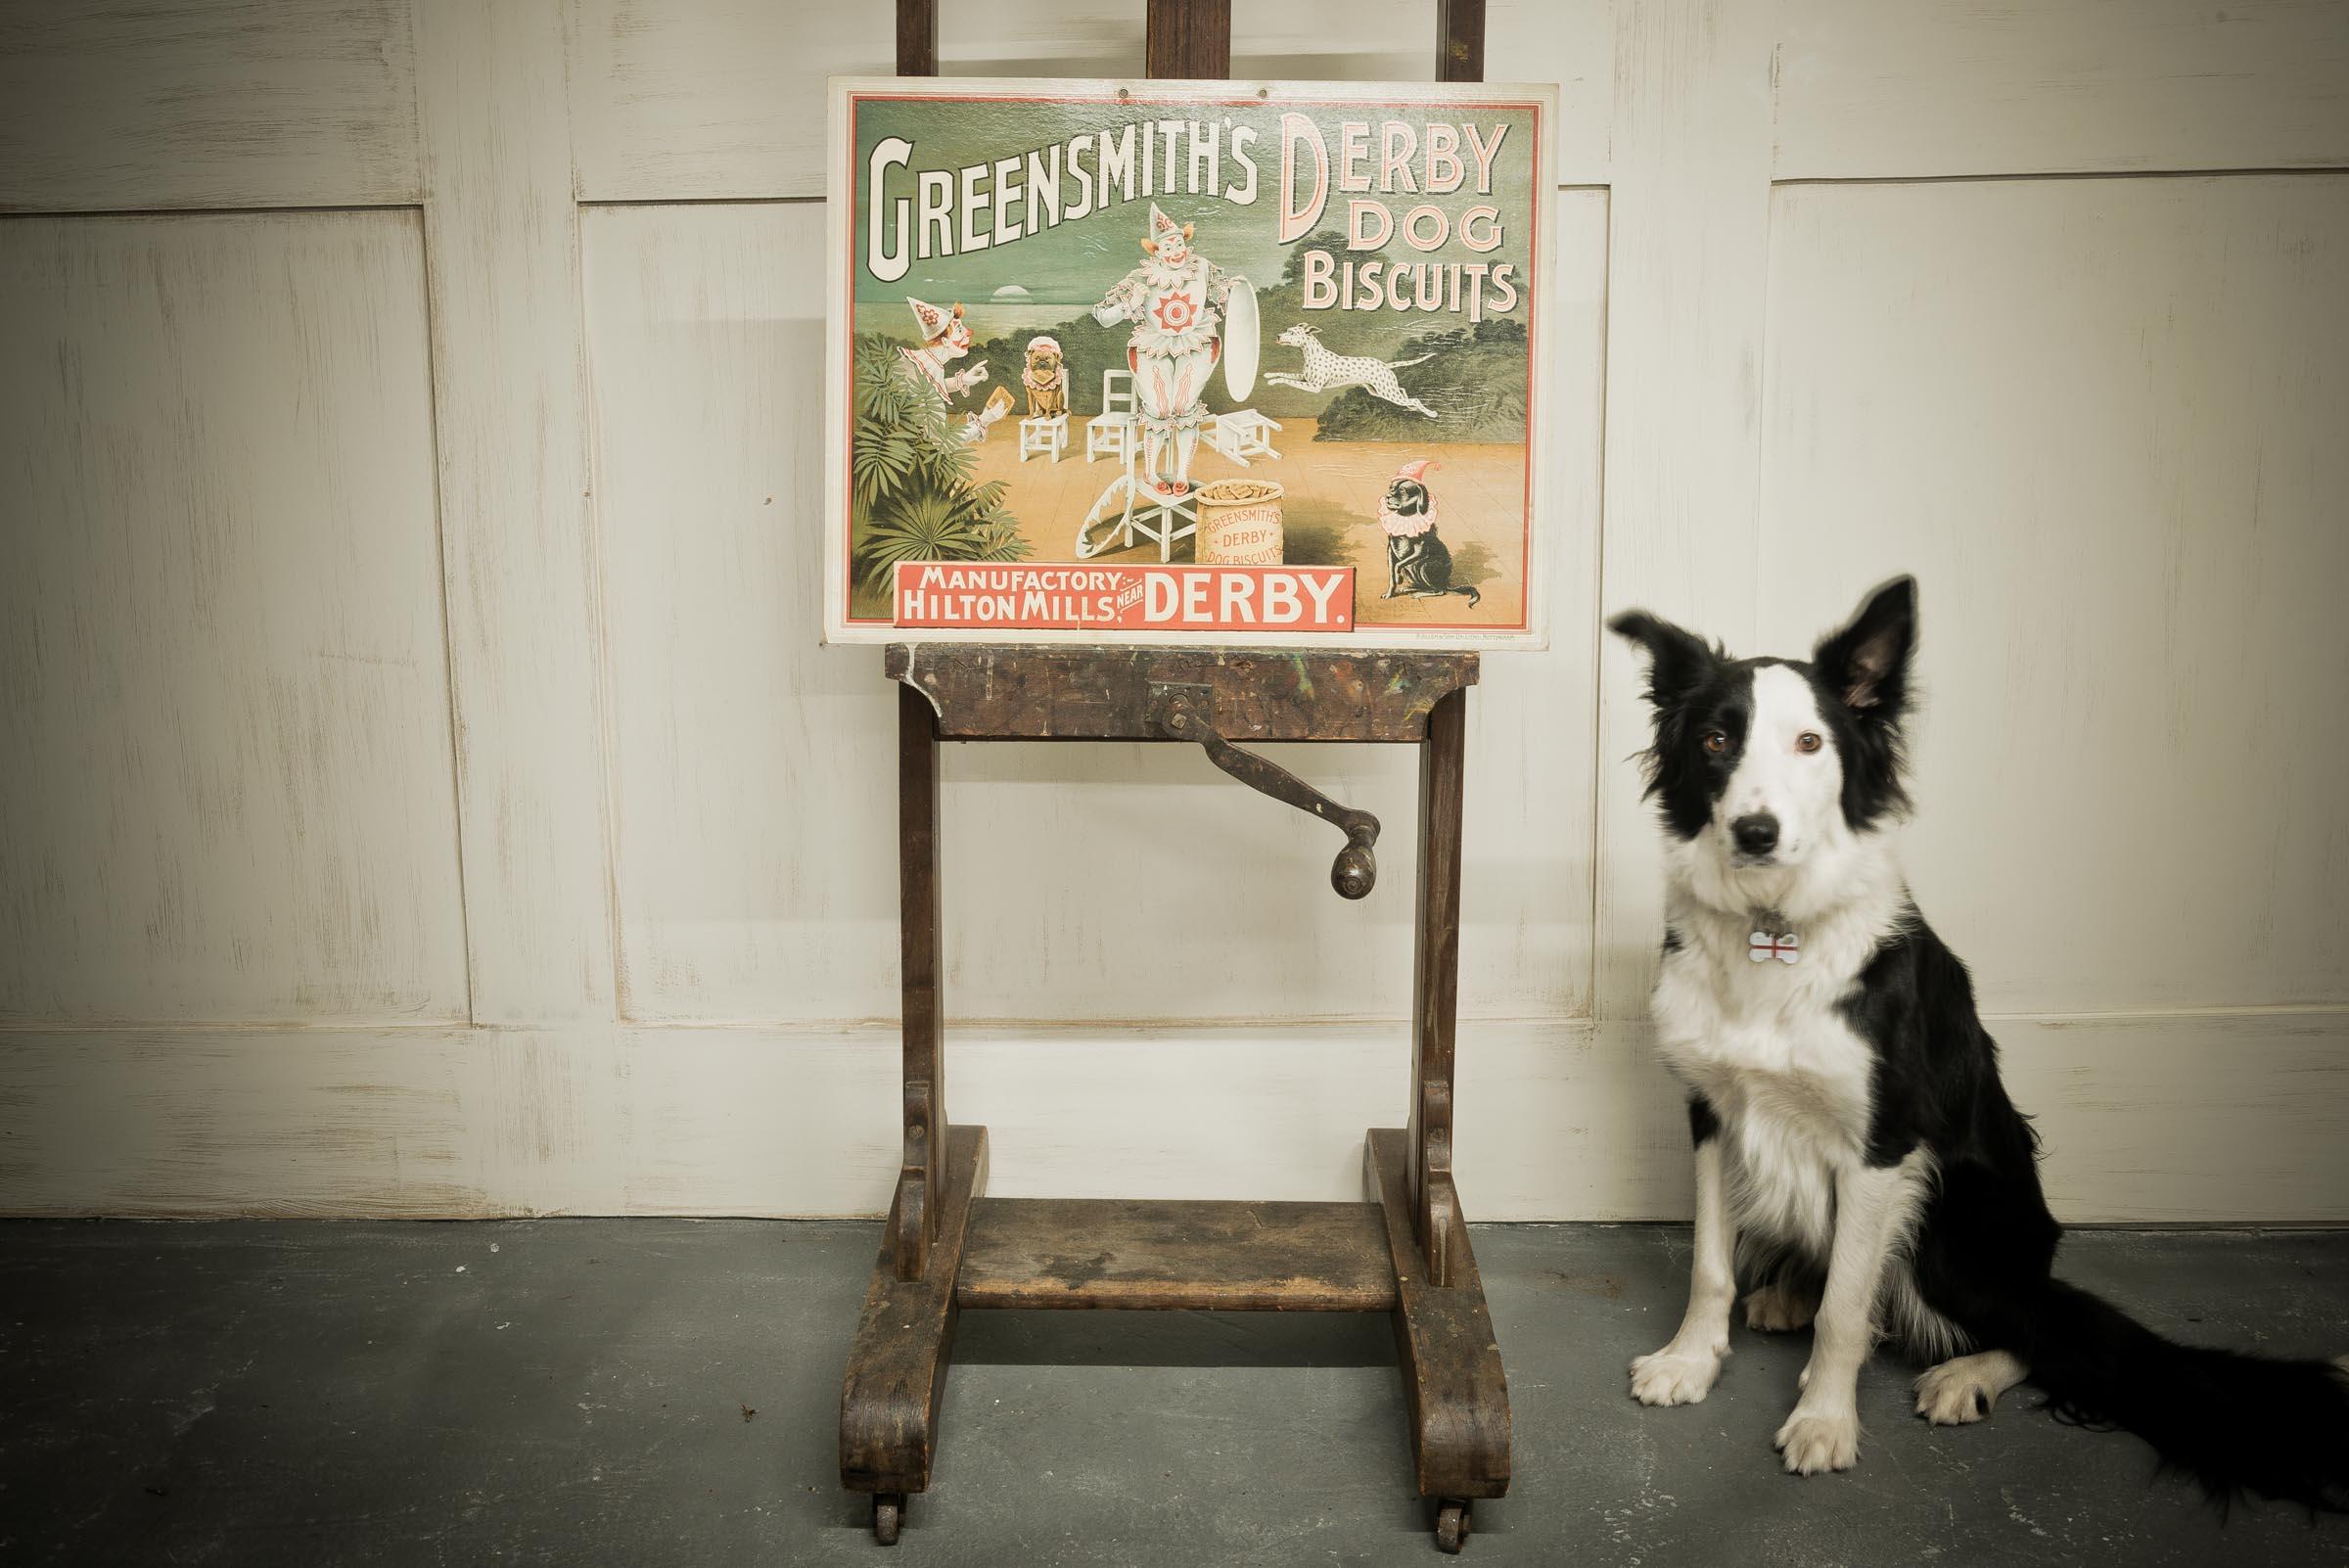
{"x": 1418, "y": 565}
{"x": 1047, "y": 379}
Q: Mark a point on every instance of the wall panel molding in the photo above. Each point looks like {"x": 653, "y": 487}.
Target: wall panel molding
{"x": 226, "y": 777}
{"x": 1955, "y": 87}
{"x": 125, "y": 106}
{"x": 524, "y": 576}
{"x": 2188, "y": 1118}
{"x": 2100, "y": 420}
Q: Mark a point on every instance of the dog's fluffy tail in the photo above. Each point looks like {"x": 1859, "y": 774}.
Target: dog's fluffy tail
{"x": 2237, "y": 1423}
{"x": 1405, "y": 364}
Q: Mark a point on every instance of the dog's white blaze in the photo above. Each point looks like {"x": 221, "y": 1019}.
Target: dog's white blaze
{"x": 1803, "y": 790}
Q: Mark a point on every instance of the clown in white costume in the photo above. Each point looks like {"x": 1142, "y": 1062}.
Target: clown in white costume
{"x": 1175, "y": 299}
{"x": 945, "y": 337}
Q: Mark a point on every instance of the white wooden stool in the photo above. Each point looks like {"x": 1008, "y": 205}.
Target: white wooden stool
{"x": 1241, "y": 434}
{"x": 1116, "y": 430}
{"x": 1046, "y": 437}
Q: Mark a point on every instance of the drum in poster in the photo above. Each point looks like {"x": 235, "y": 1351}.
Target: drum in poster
{"x": 1240, "y": 339}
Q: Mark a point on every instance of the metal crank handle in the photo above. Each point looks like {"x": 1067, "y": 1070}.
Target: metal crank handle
{"x": 1355, "y": 872}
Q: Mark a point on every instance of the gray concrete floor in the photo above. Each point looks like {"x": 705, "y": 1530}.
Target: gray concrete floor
{"x": 653, "y": 1392}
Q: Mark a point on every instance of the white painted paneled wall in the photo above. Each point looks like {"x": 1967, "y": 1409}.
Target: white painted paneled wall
{"x": 421, "y": 790}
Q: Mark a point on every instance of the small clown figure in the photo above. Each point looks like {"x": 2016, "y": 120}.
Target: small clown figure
{"x": 945, "y": 336}
{"x": 1175, "y": 299}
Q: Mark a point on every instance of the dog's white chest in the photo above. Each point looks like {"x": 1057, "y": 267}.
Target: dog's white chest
{"x": 1786, "y": 1076}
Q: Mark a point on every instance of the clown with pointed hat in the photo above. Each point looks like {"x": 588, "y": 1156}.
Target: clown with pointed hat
{"x": 1175, "y": 301}
{"x": 945, "y": 337}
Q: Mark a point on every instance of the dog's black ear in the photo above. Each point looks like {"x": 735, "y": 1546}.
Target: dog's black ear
{"x": 1678, "y": 661}
{"x": 1866, "y": 662}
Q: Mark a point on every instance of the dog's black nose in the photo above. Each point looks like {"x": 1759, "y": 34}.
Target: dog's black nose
{"x": 1757, "y": 834}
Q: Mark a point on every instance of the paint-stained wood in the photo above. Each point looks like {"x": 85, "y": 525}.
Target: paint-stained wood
{"x": 1159, "y": 1255}
{"x": 1959, "y": 87}
{"x": 1453, "y": 1378}
{"x": 994, "y": 692}
{"x": 897, "y": 1371}
{"x": 112, "y": 105}
{"x": 224, "y": 740}
{"x": 509, "y": 393}
{"x": 2130, "y": 397}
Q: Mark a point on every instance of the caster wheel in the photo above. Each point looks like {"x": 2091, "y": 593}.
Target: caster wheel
{"x": 1451, "y": 1527}
{"x": 888, "y": 1512}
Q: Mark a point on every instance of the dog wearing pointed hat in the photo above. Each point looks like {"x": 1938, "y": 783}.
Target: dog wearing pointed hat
{"x": 945, "y": 337}
{"x": 1418, "y": 565}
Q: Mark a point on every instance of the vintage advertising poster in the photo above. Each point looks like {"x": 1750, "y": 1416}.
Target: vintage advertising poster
{"x": 1201, "y": 362}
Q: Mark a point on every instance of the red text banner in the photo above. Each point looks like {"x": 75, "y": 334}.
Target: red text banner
{"x": 1044, "y": 597}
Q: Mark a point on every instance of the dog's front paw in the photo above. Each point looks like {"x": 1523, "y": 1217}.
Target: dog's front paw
{"x": 1813, "y": 1442}
{"x": 1669, "y": 1377}
{"x": 1778, "y": 1308}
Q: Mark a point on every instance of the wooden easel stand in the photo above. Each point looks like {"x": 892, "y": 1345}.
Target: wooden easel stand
{"x": 1402, "y": 1251}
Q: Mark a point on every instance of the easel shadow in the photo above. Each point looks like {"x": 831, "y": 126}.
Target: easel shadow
{"x": 1173, "y": 1339}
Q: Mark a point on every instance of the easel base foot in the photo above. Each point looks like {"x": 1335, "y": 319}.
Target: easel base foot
{"x": 896, "y": 1374}
{"x": 1453, "y": 1381}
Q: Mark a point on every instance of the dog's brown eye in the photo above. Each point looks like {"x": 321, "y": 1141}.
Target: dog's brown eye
{"x": 1716, "y": 742}
{"x": 1808, "y": 741}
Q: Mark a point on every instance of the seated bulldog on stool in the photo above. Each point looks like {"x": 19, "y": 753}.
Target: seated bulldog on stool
{"x": 1047, "y": 379}
{"x": 1175, "y": 299}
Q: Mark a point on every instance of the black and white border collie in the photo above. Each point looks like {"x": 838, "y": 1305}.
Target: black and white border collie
{"x": 1856, "y": 1152}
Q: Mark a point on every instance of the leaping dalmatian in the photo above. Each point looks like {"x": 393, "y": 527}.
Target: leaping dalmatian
{"x": 1325, "y": 371}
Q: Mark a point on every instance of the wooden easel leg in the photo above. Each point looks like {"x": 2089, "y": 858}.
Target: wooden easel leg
{"x": 896, "y": 1374}
{"x": 1187, "y": 38}
{"x": 1459, "y": 41}
{"x": 913, "y": 1217}
{"x": 1436, "y": 986}
{"x": 917, "y": 37}
{"x": 1452, "y": 1372}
